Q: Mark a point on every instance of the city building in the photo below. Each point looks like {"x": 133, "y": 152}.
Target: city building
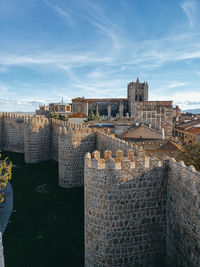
{"x": 61, "y": 108}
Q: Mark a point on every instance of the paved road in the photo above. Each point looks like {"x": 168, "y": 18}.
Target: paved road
{"x": 6, "y": 207}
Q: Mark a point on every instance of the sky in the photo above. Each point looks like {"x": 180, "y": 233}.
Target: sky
{"x": 93, "y": 48}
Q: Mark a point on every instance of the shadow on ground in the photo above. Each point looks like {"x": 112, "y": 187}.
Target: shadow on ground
{"x": 47, "y": 225}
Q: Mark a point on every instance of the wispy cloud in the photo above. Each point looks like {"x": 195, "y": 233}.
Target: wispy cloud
{"x": 94, "y": 50}
{"x": 185, "y": 100}
{"x": 176, "y": 84}
{"x": 61, "y": 11}
{"x": 189, "y": 7}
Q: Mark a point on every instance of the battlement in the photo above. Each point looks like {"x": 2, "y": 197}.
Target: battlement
{"x": 19, "y": 115}
{"x": 188, "y": 176}
{"x": 37, "y": 123}
{"x": 112, "y": 143}
{"x": 124, "y": 208}
{"x": 74, "y": 129}
{"x": 120, "y": 162}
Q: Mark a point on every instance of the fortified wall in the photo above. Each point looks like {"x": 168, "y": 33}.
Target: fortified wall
{"x": 140, "y": 211}
{"x": 41, "y": 139}
{"x": 73, "y": 145}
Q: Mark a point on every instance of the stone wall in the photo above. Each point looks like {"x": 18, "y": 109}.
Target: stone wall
{"x": 108, "y": 142}
{"x": 125, "y": 215}
{"x": 37, "y": 140}
{"x": 183, "y": 220}
{"x": 55, "y": 124}
{"x": 12, "y": 132}
{"x": 1, "y": 252}
{"x": 73, "y": 145}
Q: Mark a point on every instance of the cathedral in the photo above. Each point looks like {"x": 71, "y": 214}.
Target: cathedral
{"x": 112, "y": 107}
{"x": 135, "y": 108}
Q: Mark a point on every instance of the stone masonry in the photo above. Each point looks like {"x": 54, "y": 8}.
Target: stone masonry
{"x": 125, "y": 222}
{"x": 37, "y": 140}
{"x": 139, "y": 211}
{"x": 73, "y": 145}
{"x": 183, "y": 215}
{"x": 1, "y": 252}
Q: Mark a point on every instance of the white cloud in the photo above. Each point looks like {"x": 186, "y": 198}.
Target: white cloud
{"x": 61, "y": 12}
{"x": 176, "y": 84}
{"x": 189, "y": 8}
{"x": 185, "y": 100}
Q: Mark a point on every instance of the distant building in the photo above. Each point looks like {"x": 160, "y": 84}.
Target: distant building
{"x": 142, "y": 132}
{"x": 188, "y": 132}
{"x": 61, "y": 108}
{"x": 136, "y": 108}
{"x": 160, "y": 114}
{"x": 112, "y": 107}
{"x": 109, "y": 107}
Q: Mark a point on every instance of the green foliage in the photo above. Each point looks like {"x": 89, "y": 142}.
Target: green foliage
{"x": 191, "y": 155}
{"x": 58, "y": 116}
{"x": 5, "y": 175}
{"x": 93, "y": 117}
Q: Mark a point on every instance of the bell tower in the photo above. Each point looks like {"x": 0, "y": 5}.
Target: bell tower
{"x": 136, "y": 92}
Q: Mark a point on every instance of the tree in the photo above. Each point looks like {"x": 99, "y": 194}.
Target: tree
{"x": 191, "y": 155}
{"x": 58, "y": 116}
{"x": 54, "y": 115}
{"x": 93, "y": 117}
{"x": 5, "y": 175}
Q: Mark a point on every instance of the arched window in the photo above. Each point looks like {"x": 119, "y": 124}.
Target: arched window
{"x": 140, "y": 98}
{"x": 136, "y": 98}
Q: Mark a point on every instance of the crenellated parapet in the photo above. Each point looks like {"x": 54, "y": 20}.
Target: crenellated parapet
{"x": 128, "y": 166}
{"x": 37, "y": 139}
{"x": 124, "y": 205}
{"x": 12, "y": 131}
{"x": 37, "y": 123}
{"x": 140, "y": 210}
{"x": 189, "y": 178}
{"x": 14, "y": 115}
{"x": 109, "y": 142}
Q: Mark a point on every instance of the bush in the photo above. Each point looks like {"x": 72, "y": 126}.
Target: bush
{"x": 191, "y": 155}
{"x": 5, "y": 175}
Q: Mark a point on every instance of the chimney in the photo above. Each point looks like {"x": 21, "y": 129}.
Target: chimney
{"x": 163, "y": 133}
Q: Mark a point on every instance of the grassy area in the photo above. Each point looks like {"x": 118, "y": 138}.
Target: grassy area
{"x": 46, "y": 228}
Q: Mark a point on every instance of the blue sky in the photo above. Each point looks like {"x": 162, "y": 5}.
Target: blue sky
{"x": 68, "y": 48}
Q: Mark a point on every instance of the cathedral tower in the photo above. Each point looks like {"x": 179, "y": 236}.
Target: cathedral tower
{"x": 136, "y": 92}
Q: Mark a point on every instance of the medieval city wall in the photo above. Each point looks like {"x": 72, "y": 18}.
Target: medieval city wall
{"x": 12, "y": 132}
{"x": 108, "y": 142}
{"x": 55, "y": 125}
{"x": 74, "y": 143}
{"x": 125, "y": 214}
{"x": 37, "y": 140}
{"x": 183, "y": 215}
{"x": 140, "y": 211}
